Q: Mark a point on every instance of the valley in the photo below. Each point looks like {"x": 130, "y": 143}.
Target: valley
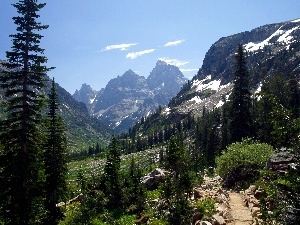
{"x": 219, "y": 148}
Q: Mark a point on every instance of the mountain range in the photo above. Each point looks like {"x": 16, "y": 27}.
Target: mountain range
{"x": 127, "y": 98}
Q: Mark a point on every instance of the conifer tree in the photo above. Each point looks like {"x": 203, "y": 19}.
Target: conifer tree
{"x": 111, "y": 176}
{"x": 181, "y": 182}
{"x": 241, "y": 119}
{"x": 55, "y": 158}
{"x": 22, "y": 175}
{"x": 133, "y": 190}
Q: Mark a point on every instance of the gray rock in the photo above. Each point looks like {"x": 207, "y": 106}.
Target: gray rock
{"x": 153, "y": 179}
{"x": 280, "y": 160}
{"x": 218, "y": 220}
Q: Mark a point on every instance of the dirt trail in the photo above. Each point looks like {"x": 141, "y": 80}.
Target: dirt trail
{"x": 239, "y": 212}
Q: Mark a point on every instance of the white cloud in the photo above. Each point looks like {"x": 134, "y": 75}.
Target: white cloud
{"x": 122, "y": 47}
{"x": 133, "y": 55}
{"x": 174, "y": 62}
{"x": 173, "y": 43}
{"x": 188, "y": 70}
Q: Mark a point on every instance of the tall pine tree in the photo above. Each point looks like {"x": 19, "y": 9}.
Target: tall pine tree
{"x": 55, "y": 158}
{"x": 111, "y": 177}
{"x": 240, "y": 116}
{"x": 21, "y": 174}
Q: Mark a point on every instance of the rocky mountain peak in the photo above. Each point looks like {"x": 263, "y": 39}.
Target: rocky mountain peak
{"x": 161, "y": 63}
{"x": 128, "y": 97}
{"x": 85, "y": 94}
{"x": 129, "y": 80}
{"x": 166, "y": 77}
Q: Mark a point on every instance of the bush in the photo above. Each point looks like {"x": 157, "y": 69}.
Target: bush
{"x": 206, "y": 207}
{"x": 247, "y": 155}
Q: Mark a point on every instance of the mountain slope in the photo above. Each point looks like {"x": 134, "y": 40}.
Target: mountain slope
{"x": 82, "y": 130}
{"x": 273, "y": 48}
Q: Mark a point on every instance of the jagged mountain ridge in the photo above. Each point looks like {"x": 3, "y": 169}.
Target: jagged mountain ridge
{"x": 127, "y": 98}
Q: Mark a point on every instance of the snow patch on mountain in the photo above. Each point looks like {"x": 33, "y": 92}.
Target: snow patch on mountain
{"x": 206, "y": 83}
{"x": 196, "y": 99}
{"x": 166, "y": 111}
{"x": 296, "y": 21}
{"x": 283, "y": 36}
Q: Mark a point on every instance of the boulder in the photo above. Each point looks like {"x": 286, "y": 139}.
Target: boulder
{"x": 259, "y": 194}
{"x": 218, "y": 220}
{"x": 197, "y": 193}
{"x": 152, "y": 180}
{"x": 203, "y": 223}
{"x": 197, "y": 217}
{"x": 280, "y": 160}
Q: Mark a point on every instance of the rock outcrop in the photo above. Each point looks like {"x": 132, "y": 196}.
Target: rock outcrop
{"x": 152, "y": 180}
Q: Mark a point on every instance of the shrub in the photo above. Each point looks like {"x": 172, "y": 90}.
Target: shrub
{"x": 206, "y": 207}
{"x": 246, "y": 154}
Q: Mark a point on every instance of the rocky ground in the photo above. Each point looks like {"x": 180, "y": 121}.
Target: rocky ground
{"x": 231, "y": 208}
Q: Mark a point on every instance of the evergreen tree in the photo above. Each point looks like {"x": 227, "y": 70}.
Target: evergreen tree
{"x": 241, "y": 119}
{"x": 134, "y": 192}
{"x": 224, "y": 126}
{"x": 293, "y": 97}
{"x": 181, "y": 182}
{"x": 22, "y": 175}
{"x": 55, "y": 160}
{"x": 111, "y": 176}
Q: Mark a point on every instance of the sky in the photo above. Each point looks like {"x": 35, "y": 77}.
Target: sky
{"x": 94, "y": 41}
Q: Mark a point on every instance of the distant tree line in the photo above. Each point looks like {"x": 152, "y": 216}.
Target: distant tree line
{"x": 92, "y": 150}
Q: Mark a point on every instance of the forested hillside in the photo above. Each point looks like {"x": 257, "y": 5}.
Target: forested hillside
{"x": 83, "y": 131}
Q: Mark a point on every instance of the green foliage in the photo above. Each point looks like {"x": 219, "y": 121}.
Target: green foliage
{"x": 133, "y": 192}
{"x": 111, "y": 177}
{"x": 180, "y": 212}
{"x": 205, "y": 207}
{"x": 282, "y": 195}
{"x": 277, "y": 117}
{"x": 154, "y": 194}
{"x": 55, "y": 160}
{"x": 243, "y": 154}
{"x": 177, "y": 185}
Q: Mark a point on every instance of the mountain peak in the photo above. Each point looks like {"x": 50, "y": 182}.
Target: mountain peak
{"x": 129, "y": 72}
{"x": 161, "y": 63}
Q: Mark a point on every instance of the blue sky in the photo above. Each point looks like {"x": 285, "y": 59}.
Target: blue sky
{"x": 94, "y": 41}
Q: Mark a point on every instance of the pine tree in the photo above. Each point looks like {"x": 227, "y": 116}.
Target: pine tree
{"x": 55, "y": 158}
{"x": 111, "y": 176}
{"x": 133, "y": 190}
{"x": 241, "y": 118}
{"x": 22, "y": 175}
{"x": 181, "y": 182}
